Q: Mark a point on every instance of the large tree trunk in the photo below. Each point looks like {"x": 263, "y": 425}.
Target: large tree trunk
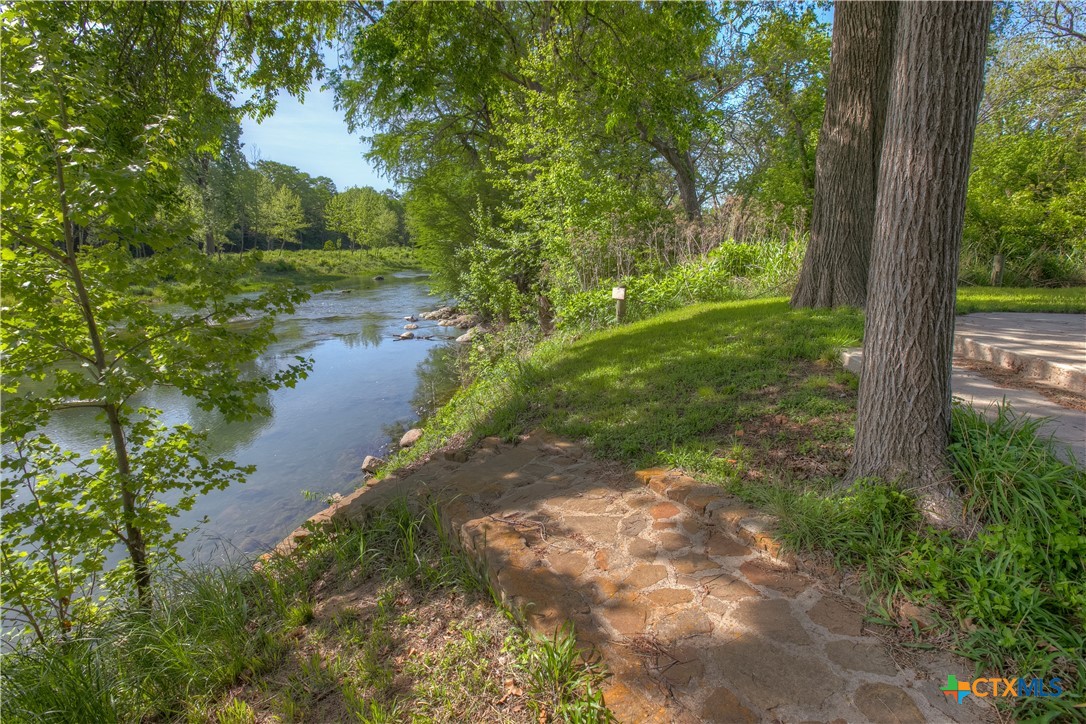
{"x": 686, "y": 176}
{"x": 834, "y": 269}
{"x": 903, "y": 422}
{"x": 686, "y": 171}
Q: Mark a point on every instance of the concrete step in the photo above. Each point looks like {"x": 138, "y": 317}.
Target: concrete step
{"x": 1047, "y": 348}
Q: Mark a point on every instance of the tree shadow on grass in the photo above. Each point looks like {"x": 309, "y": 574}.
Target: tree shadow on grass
{"x": 685, "y": 378}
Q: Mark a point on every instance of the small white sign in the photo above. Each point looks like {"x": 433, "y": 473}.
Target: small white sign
{"x": 618, "y": 292}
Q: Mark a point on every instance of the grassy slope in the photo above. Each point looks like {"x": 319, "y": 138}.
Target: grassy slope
{"x": 747, "y": 394}
{"x": 682, "y": 382}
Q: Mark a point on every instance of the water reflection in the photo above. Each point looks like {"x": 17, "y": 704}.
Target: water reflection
{"x": 370, "y": 334}
{"x": 438, "y": 377}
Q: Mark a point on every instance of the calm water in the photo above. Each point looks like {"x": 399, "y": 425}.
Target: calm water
{"x": 364, "y": 386}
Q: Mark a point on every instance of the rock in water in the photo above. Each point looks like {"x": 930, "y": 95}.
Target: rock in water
{"x": 442, "y": 313}
{"x": 410, "y": 437}
{"x": 410, "y": 318}
{"x": 371, "y": 464}
{"x": 407, "y": 335}
{"x": 411, "y": 326}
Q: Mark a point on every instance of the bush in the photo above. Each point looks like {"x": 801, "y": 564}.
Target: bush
{"x": 730, "y": 271}
{"x": 1027, "y": 195}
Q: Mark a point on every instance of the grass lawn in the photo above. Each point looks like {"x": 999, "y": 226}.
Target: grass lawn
{"x": 748, "y": 395}
{"x": 687, "y": 384}
{"x": 1019, "y": 299}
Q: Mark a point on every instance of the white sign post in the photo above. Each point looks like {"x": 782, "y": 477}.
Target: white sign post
{"x": 619, "y": 295}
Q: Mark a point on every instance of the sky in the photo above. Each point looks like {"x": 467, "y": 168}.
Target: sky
{"x": 313, "y": 137}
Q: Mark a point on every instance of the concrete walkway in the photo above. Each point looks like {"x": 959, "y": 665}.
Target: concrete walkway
{"x": 1048, "y": 349}
{"x": 676, "y": 585}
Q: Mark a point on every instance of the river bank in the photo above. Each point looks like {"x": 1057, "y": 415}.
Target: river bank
{"x": 314, "y": 268}
{"x": 754, "y": 405}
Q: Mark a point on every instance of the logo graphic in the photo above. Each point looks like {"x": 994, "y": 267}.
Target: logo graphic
{"x": 996, "y": 686}
{"x": 953, "y": 688}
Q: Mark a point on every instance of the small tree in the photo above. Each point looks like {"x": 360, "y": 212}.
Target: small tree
{"x": 281, "y": 216}
{"x": 91, "y": 171}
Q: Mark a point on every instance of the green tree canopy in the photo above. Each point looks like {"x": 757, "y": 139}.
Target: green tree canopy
{"x": 365, "y": 216}
{"x": 1027, "y": 190}
{"x": 313, "y": 193}
{"x": 521, "y": 130}
{"x": 281, "y": 217}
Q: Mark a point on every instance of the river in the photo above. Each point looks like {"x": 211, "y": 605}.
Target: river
{"x": 364, "y": 387}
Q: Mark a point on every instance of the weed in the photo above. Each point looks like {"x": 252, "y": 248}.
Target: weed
{"x": 236, "y": 712}
{"x": 563, "y": 683}
{"x": 299, "y": 614}
{"x": 374, "y": 712}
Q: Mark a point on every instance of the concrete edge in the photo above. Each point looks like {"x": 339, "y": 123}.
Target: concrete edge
{"x": 1026, "y": 365}
{"x": 1029, "y": 366}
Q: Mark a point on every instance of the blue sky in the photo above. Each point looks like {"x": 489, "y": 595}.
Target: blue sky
{"x": 313, "y": 137}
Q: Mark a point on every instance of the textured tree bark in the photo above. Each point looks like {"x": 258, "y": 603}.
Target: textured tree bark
{"x": 686, "y": 173}
{"x": 903, "y": 420}
{"x": 834, "y": 271}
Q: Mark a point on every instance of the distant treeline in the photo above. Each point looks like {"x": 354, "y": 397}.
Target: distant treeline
{"x": 240, "y": 205}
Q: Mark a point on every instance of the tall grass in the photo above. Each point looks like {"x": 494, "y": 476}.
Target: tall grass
{"x": 211, "y": 629}
{"x": 739, "y": 249}
{"x": 1039, "y": 267}
{"x": 208, "y": 627}
{"x": 621, "y": 253}
{"x": 1015, "y": 585}
{"x": 729, "y": 271}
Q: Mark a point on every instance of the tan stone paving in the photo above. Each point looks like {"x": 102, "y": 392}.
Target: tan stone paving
{"x": 676, "y": 585}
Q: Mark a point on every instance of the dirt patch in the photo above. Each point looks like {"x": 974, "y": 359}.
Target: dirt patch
{"x": 394, "y": 649}
{"x": 807, "y": 434}
{"x": 1012, "y": 380}
{"x": 781, "y": 447}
